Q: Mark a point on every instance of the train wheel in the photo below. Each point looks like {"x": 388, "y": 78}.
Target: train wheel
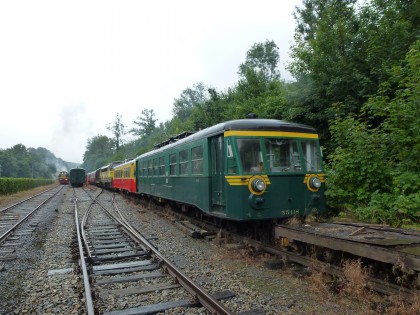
{"x": 298, "y": 248}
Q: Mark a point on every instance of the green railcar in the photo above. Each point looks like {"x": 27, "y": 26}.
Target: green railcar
{"x": 249, "y": 169}
{"x": 77, "y": 177}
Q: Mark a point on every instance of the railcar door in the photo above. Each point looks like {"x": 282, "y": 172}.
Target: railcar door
{"x": 217, "y": 174}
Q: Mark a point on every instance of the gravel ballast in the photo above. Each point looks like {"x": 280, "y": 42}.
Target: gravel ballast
{"x": 44, "y": 278}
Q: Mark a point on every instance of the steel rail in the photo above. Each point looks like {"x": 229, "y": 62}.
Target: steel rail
{"x": 373, "y": 283}
{"x": 14, "y": 227}
{"x": 88, "y": 292}
{"x": 83, "y": 233}
{"x": 201, "y": 295}
{"x": 22, "y": 201}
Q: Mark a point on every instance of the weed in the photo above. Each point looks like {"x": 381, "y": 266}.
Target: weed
{"x": 399, "y": 306}
{"x": 355, "y": 277}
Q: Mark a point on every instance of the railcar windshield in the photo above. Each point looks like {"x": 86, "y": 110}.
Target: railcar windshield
{"x": 311, "y": 156}
{"x": 250, "y": 154}
{"x": 282, "y": 155}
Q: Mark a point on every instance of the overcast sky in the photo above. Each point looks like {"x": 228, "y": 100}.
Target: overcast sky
{"x": 68, "y": 67}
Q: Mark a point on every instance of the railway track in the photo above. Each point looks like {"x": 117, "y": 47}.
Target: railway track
{"x": 391, "y": 255}
{"x": 119, "y": 263}
{"x": 14, "y": 216}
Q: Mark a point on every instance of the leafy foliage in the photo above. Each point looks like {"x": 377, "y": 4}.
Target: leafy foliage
{"x": 189, "y": 99}
{"x": 356, "y": 67}
{"x": 118, "y": 130}
{"x": 99, "y": 151}
{"x": 377, "y": 168}
{"x": 263, "y": 59}
{"x": 146, "y": 123}
{"x": 14, "y": 185}
{"x": 22, "y": 162}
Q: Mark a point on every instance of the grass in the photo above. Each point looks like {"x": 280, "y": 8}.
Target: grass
{"x": 352, "y": 288}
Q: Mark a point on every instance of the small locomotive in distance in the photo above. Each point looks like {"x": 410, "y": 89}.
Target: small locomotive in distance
{"x": 63, "y": 177}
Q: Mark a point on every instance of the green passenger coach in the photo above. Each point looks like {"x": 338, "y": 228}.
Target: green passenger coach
{"x": 77, "y": 177}
{"x": 243, "y": 170}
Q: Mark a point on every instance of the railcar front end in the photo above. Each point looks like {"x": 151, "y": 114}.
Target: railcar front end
{"x": 242, "y": 170}
{"x": 271, "y": 172}
{"x": 63, "y": 177}
{"x": 106, "y": 174}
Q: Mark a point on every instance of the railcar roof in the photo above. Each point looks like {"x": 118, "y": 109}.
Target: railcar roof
{"x": 266, "y": 124}
{"x": 111, "y": 165}
{"x": 77, "y": 169}
{"x": 124, "y": 164}
{"x": 241, "y": 124}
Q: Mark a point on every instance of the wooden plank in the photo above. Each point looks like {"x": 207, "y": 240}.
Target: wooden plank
{"x": 187, "y": 230}
{"x": 382, "y": 254}
{"x": 161, "y": 307}
{"x": 114, "y": 257}
{"x": 139, "y": 290}
{"x": 126, "y": 270}
{"x": 111, "y": 250}
{"x": 94, "y": 242}
{"x": 152, "y": 308}
{"x": 108, "y": 246}
{"x": 106, "y": 237}
{"x": 122, "y": 265}
{"x": 157, "y": 274}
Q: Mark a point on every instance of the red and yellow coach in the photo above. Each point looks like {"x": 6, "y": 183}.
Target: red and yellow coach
{"x": 124, "y": 177}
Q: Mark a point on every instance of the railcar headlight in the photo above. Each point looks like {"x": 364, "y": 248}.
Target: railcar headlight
{"x": 315, "y": 183}
{"x": 258, "y": 185}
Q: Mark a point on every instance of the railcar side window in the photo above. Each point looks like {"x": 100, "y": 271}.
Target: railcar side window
{"x": 183, "y": 162}
{"x": 282, "y": 155}
{"x": 144, "y": 168}
{"x": 141, "y": 168}
{"x": 172, "y": 164}
{"x": 197, "y": 160}
{"x": 162, "y": 165}
{"x": 155, "y": 167}
{"x": 311, "y": 156}
{"x": 250, "y": 154}
{"x": 150, "y": 168}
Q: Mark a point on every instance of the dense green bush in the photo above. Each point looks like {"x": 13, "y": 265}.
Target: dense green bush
{"x": 14, "y": 185}
{"x": 376, "y": 162}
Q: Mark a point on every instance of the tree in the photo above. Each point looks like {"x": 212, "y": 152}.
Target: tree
{"x": 19, "y": 161}
{"x": 375, "y": 169}
{"x": 190, "y": 98}
{"x": 343, "y": 52}
{"x": 209, "y": 112}
{"x": 146, "y": 123}
{"x": 8, "y": 163}
{"x": 99, "y": 152}
{"x": 329, "y": 55}
{"x": 118, "y": 130}
{"x": 262, "y": 58}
